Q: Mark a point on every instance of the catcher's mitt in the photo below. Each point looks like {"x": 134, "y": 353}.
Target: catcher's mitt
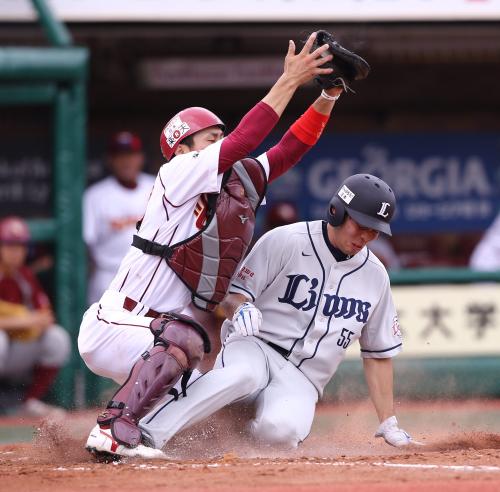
{"x": 347, "y": 66}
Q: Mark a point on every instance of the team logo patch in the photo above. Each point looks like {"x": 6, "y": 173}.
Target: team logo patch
{"x": 396, "y": 330}
{"x": 175, "y": 130}
{"x": 383, "y": 209}
{"x": 245, "y": 272}
{"x": 346, "y": 194}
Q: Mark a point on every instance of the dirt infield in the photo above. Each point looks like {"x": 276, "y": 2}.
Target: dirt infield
{"x": 462, "y": 453}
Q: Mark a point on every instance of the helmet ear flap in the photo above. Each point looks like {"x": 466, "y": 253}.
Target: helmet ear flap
{"x": 336, "y": 212}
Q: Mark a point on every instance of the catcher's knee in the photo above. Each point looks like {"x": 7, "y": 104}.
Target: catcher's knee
{"x": 186, "y": 339}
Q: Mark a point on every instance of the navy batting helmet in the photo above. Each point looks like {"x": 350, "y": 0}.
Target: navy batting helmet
{"x": 368, "y": 200}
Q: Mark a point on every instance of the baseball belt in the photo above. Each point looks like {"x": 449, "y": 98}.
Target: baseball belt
{"x": 283, "y": 352}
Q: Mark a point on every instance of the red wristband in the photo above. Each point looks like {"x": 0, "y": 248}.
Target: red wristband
{"x": 309, "y": 127}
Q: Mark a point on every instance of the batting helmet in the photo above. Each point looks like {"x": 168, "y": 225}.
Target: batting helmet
{"x": 368, "y": 200}
{"x": 14, "y": 230}
{"x": 185, "y": 123}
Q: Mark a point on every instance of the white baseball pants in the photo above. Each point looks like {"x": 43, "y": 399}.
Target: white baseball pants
{"x": 246, "y": 369}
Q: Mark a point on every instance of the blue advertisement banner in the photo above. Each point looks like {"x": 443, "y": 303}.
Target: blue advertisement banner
{"x": 443, "y": 182}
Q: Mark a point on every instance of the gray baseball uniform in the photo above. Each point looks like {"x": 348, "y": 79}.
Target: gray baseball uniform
{"x": 313, "y": 308}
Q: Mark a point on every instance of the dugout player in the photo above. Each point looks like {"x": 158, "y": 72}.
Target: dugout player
{"x": 196, "y": 229}
{"x": 32, "y": 346}
{"x": 304, "y": 294}
{"x": 111, "y": 209}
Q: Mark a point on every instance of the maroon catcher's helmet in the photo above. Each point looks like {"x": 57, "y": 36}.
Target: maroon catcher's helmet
{"x": 14, "y": 230}
{"x": 185, "y": 123}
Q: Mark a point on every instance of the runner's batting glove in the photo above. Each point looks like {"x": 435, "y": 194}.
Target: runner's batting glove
{"x": 392, "y": 434}
{"x": 247, "y": 319}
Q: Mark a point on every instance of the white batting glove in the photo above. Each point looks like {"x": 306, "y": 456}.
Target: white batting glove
{"x": 393, "y": 435}
{"x": 247, "y": 319}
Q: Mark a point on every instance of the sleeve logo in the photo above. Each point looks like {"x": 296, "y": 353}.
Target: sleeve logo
{"x": 396, "y": 330}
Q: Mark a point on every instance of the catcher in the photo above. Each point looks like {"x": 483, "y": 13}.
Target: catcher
{"x": 196, "y": 229}
{"x": 32, "y": 346}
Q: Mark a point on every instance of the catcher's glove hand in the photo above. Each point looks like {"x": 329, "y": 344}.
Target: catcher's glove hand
{"x": 347, "y": 66}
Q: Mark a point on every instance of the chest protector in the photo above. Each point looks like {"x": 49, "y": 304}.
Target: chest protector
{"x": 207, "y": 261}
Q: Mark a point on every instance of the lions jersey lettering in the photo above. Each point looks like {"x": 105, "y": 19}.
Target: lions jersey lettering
{"x": 342, "y": 307}
{"x": 334, "y": 305}
{"x": 315, "y": 307}
{"x": 291, "y": 291}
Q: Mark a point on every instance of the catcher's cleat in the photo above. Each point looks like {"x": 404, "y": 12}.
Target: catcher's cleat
{"x": 104, "y": 448}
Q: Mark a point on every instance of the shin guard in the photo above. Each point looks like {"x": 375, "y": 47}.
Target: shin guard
{"x": 179, "y": 344}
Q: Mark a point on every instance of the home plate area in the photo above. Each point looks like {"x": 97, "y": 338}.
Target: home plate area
{"x": 461, "y": 453}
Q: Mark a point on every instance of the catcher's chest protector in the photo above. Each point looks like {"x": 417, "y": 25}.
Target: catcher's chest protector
{"x": 206, "y": 262}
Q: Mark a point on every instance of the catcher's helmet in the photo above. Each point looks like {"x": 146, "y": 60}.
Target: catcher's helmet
{"x": 367, "y": 200}
{"x": 14, "y": 230}
{"x": 185, "y": 123}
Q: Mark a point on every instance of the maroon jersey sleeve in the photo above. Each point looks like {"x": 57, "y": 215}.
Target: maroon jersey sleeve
{"x": 301, "y": 136}
{"x": 285, "y": 154}
{"x": 254, "y": 127}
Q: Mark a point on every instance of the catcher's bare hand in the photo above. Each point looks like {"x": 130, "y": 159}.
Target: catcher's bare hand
{"x": 305, "y": 65}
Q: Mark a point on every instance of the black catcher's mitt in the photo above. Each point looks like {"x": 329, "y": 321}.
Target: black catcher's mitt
{"x": 347, "y": 66}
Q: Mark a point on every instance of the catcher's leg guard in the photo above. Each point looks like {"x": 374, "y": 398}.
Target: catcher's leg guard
{"x": 179, "y": 344}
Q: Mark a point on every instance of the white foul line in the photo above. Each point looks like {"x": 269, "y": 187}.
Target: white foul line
{"x": 147, "y": 466}
{"x": 441, "y": 467}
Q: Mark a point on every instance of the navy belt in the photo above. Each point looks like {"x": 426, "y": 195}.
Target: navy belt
{"x": 283, "y": 352}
